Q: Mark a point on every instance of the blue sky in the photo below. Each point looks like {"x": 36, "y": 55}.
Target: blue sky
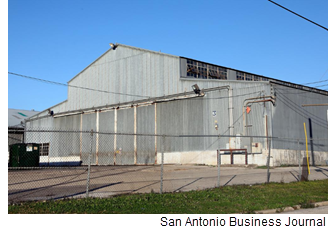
{"x": 55, "y": 39}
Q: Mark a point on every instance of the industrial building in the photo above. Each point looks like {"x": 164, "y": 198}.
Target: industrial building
{"x": 146, "y": 94}
{"x": 16, "y": 119}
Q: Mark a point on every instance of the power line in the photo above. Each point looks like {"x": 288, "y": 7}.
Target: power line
{"x": 295, "y": 107}
{"x": 68, "y": 85}
{"x": 298, "y": 15}
{"x": 324, "y": 74}
{"x": 309, "y": 89}
{"x": 324, "y": 85}
{"x": 304, "y": 115}
{"x": 94, "y": 64}
{"x": 316, "y": 82}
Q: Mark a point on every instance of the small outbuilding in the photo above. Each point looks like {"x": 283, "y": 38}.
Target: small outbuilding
{"x": 16, "y": 124}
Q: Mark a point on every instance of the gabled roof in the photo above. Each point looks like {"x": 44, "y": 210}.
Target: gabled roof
{"x": 17, "y": 116}
{"x": 126, "y": 46}
{"x": 272, "y": 80}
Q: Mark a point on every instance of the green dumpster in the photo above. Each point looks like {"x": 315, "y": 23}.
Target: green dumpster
{"x": 24, "y": 155}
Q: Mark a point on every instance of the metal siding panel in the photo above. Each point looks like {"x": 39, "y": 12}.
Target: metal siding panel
{"x": 168, "y": 125}
{"x": 39, "y": 137}
{"x": 289, "y": 116}
{"x": 215, "y": 103}
{"x": 146, "y": 144}
{"x": 65, "y": 143}
{"x": 183, "y": 67}
{"x": 193, "y": 123}
{"x": 125, "y": 124}
{"x": 194, "y": 116}
{"x": 231, "y": 74}
{"x": 88, "y": 124}
{"x": 73, "y": 138}
{"x": 106, "y": 151}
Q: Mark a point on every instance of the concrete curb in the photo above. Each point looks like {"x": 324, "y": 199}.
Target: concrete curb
{"x": 287, "y": 209}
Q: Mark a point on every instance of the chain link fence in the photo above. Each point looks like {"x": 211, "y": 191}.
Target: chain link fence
{"x": 57, "y": 164}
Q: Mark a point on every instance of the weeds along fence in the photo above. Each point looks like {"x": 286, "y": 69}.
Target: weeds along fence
{"x": 56, "y": 164}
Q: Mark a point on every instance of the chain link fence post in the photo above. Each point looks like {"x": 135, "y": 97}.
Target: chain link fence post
{"x": 219, "y": 166}
{"x": 299, "y": 161}
{"x": 268, "y": 162}
{"x": 89, "y": 163}
{"x": 162, "y": 164}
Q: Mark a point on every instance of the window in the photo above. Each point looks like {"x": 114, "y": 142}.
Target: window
{"x": 240, "y": 76}
{"x": 192, "y": 69}
{"x": 201, "y": 70}
{"x": 223, "y": 73}
{"x": 248, "y": 77}
{"x": 213, "y": 73}
{"x": 44, "y": 149}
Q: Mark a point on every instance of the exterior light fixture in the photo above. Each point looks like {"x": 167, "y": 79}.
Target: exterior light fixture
{"x": 50, "y": 112}
{"x": 197, "y": 90}
{"x": 113, "y": 46}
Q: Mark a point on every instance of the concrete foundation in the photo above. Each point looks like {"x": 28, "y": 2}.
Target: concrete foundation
{"x": 278, "y": 157}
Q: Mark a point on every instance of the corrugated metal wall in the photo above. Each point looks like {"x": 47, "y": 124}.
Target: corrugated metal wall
{"x": 289, "y": 117}
{"x": 125, "y": 124}
{"x": 106, "y": 148}
{"x": 197, "y": 116}
{"x": 65, "y": 143}
{"x": 145, "y": 124}
{"x": 38, "y": 137}
{"x": 136, "y": 74}
{"x": 129, "y": 74}
{"x": 89, "y": 122}
{"x": 132, "y": 72}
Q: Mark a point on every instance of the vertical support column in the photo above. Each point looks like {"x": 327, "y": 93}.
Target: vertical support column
{"x": 115, "y": 136}
{"x": 246, "y": 160}
{"x": 268, "y": 163}
{"x": 155, "y": 107}
{"x": 135, "y": 135}
{"x": 89, "y": 164}
{"x": 162, "y": 164}
{"x": 230, "y": 112}
{"x": 306, "y": 146}
{"x": 266, "y": 131}
{"x": 311, "y": 142}
{"x": 81, "y": 136}
{"x": 305, "y": 170}
{"x": 299, "y": 161}
{"x": 218, "y": 155}
{"x": 245, "y": 131}
{"x": 97, "y": 137}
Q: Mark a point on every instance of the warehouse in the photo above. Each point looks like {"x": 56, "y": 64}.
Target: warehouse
{"x": 15, "y": 124}
{"x": 129, "y": 97}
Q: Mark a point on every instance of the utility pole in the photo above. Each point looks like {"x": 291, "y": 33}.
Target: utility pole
{"x": 310, "y": 125}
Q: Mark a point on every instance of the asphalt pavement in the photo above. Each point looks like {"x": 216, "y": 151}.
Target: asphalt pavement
{"x": 105, "y": 181}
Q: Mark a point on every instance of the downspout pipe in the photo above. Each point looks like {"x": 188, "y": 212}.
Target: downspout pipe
{"x": 230, "y": 110}
{"x": 271, "y": 99}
